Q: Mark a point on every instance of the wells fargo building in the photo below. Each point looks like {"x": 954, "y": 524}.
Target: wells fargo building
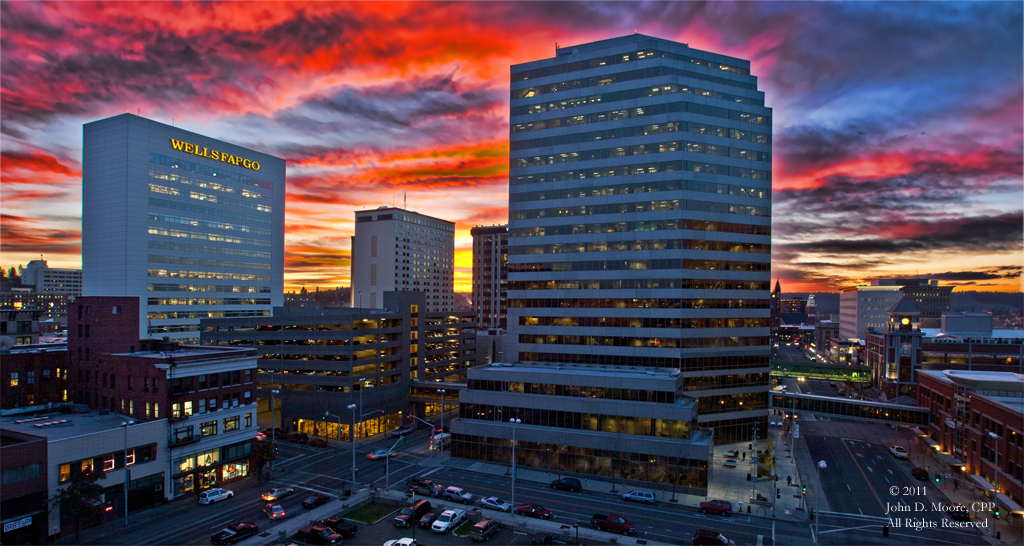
{"x": 191, "y": 225}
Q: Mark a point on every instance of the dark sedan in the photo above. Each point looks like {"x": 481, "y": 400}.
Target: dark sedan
{"x": 533, "y": 511}
{"x": 236, "y": 532}
{"x": 314, "y": 500}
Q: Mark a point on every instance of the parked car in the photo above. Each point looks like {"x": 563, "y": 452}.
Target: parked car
{"x": 711, "y": 538}
{"x": 402, "y": 542}
{"x": 407, "y": 429}
{"x": 274, "y": 511}
{"x": 533, "y": 511}
{"x": 921, "y": 473}
{"x": 314, "y": 500}
{"x": 279, "y": 493}
{"x": 458, "y": 494}
{"x": 716, "y": 507}
{"x": 318, "y": 534}
{"x": 425, "y": 486}
{"x": 545, "y": 539}
{"x": 344, "y": 528}
{"x": 215, "y": 495}
{"x": 412, "y": 513}
{"x": 958, "y": 512}
{"x": 612, "y": 523}
{"x": 274, "y": 432}
{"x": 484, "y": 530}
{"x": 379, "y": 454}
{"x": 448, "y": 520}
{"x": 567, "y": 484}
{"x": 317, "y": 442}
{"x": 898, "y": 452}
{"x": 236, "y": 532}
{"x": 297, "y": 437}
{"x": 427, "y": 520}
{"x": 639, "y": 495}
{"x": 494, "y": 503}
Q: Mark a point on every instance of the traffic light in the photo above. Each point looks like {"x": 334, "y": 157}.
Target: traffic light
{"x": 324, "y": 418}
{"x": 805, "y": 490}
{"x": 937, "y": 477}
{"x": 996, "y": 513}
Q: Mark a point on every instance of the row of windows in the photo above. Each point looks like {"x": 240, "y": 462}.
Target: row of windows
{"x": 627, "y": 131}
{"x": 641, "y": 187}
{"x": 649, "y": 225}
{"x": 645, "y": 322}
{"x": 748, "y": 401}
{"x": 206, "y": 314}
{"x": 638, "y": 303}
{"x": 636, "y": 265}
{"x": 238, "y": 289}
{"x": 694, "y": 364}
{"x": 202, "y": 406}
{"x": 210, "y": 211}
{"x": 577, "y": 391}
{"x": 590, "y": 462}
{"x": 654, "y": 244}
{"x": 712, "y": 382}
{"x": 652, "y": 342}
{"x": 206, "y": 184}
{"x": 641, "y": 206}
{"x": 20, "y": 473}
{"x": 200, "y": 196}
{"x": 651, "y": 284}
{"x": 641, "y": 74}
{"x": 639, "y": 426}
{"x": 183, "y": 260}
{"x": 643, "y": 168}
{"x": 208, "y": 301}
{"x": 209, "y": 224}
{"x": 642, "y": 149}
{"x": 220, "y": 275}
{"x": 107, "y": 462}
{"x": 205, "y": 249}
{"x": 217, "y": 237}
{"x": 209, "y": 171}
{"x": 650, "y": 110}
{"x": 610, "y": 60}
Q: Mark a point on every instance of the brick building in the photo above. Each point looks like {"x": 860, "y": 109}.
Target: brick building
{"x": 206, "y": 394}
{"x": 23, "y": 502}
{"x": 977, "y": 424}
{"x": 34, "y": 374}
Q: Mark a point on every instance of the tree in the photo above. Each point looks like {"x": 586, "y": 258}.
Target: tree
{"x": 82, "y": 500}
{"x": 262, "y": 453}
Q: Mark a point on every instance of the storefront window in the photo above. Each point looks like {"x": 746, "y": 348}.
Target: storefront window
{"x": 208, "y": 479}
{"x": 232, "y": 471}
{"x": 184, "y": 484}
{"x": 209, "y": 458}
{"x": 186, "y": 464}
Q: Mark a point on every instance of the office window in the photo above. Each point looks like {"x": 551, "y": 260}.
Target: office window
{"x": 175, "y": 410}
{"x": 188, "y": 408}
{"x": 156, "y": 410}
{"x": 65, "y": 473}
{"x": 248, "y": 420}
{"x": 87, "y": 465}
{"x": 202, "y": 382}
{"x": 231, "y": 423}
{"x": 147, "y": 410}
{"x": 131, "y": 407}
{"x": 234, "y": 400}
{"x": 131, "y": 458}
{"x": 248, "y": 397}
{"x": 202, "y": 406}
{"x": 30, "y": 377}
{"x": 213, "y": 404}
{"x": 208, "y": 428}
{"x": 14, "y": 379}
{"x": 108, "y": 462}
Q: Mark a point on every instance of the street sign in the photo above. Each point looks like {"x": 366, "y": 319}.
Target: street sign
{"x": 796, "y": 431}
{"x": 24, "y": 522}
{"x": 949, "y": 476}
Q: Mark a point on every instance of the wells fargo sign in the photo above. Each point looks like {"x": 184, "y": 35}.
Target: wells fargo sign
{"x": 214, "y": 154}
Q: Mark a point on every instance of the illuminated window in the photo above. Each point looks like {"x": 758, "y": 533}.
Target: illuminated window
{"x": 108, "y": 462}
{"x": 87, "y": 465}
{"x": 131, "y": 458}
{"x": 14, "y": 379}
{"x": 188, "y": 408}
{"x": 65, "y": 473}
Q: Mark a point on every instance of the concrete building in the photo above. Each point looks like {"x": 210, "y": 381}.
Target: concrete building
{"x": 65, "y": 444}
{"x": 490, "y": 275}
{"x": 390, "y": 361}
{"x": 824, "y": 331}
{"x": 639, "y": 236}
{"x": 927, "y": 296}
{"x": 399, "y": 250}
{"x": 18, "y": 327}
{"x": 205, "y": 396}
{"x": 864, "y": 307}
{"x": 977, "y": 425}
{"x": 51, "y": 280}
{"x": 776, "y": 309}
{"x": 50, "y": 306}
{"x": 190, "y": 225}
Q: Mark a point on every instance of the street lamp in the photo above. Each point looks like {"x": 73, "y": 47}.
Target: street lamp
{"x": 352, "y": 436}
{"x": 817, "y": 502}
{"x": 442, "y": 409}
{"x": 273, "y": 424}
{"x": 127, "y": 473}
{"x": 514, "y": 423}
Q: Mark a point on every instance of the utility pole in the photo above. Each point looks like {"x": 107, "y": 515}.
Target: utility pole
{"x": 127, "y": 472}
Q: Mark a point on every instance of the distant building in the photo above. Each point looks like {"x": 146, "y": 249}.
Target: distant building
{"x": 51, "y": 280}
{"x": 18, "y": 327}
{"x": 824, "y": 331}
{"x": 794, "y": 305}
{"x": 977, "y": 426}
{"x": 34, "y": 375}
{"x": 395, "y": 249}
{"x": 864, "y": 307}
{"x": 930, "y": 299}
{"x": 490, "y": 275}
{"x": 812, "y": 311}
{"x": 776, "y": 309}
{"x": 49, "y": 306}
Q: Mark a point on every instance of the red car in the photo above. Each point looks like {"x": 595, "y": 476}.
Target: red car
{"x": 317, "y": 442}
{"x": 716, "y": 507}
{"x": 533, "y": 511}
{"x": 314, "y": 500}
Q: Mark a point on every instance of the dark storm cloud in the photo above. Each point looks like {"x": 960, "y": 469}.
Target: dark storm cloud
{"x": 983, "y": 275}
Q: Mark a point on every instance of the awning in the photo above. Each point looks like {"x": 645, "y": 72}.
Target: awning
{"x": 918, "y": 431}
{"x": 950, "y": 423}
{"x": 981, "y": 482}
{"x": 1011, "y": 506}
{"x": 928, "y": 441}
{"x": 949, "y": 459}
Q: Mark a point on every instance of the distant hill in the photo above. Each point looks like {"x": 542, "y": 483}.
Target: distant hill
{"x": 971, "y": 301}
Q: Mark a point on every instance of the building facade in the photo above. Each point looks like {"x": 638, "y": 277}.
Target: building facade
{"x": 19, "y": 326}
{"x": 390, "y": 362}
{"x": 399, "y": 250}
{"x": 34, "y": 375}
{"x": 49, "y": 306}
{"x": 977, "y": 426}
{"x": 190, "y": 225}
{"x": 490, "y": 275}
{"x": 930, "y": 299}
{"x": 52, "y": 280}
{"x": 864, "y": 307}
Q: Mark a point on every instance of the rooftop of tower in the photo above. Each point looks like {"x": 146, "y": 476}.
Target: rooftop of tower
{"x": 634, "y": 42}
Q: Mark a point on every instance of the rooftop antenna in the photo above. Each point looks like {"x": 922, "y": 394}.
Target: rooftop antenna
{"x": 405, "y": 200}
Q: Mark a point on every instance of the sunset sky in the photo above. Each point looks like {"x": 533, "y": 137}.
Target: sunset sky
{"x": 897, "y": 126}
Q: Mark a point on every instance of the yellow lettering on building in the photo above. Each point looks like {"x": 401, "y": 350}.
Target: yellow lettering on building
{"x": 203, "y": 151}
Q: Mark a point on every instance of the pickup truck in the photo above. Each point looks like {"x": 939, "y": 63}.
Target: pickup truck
{"x": 344, "y": 528}
{"x": 716, "y": 507}
{"x": 612, "y": 523}
{"x": 317, "y": 534}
